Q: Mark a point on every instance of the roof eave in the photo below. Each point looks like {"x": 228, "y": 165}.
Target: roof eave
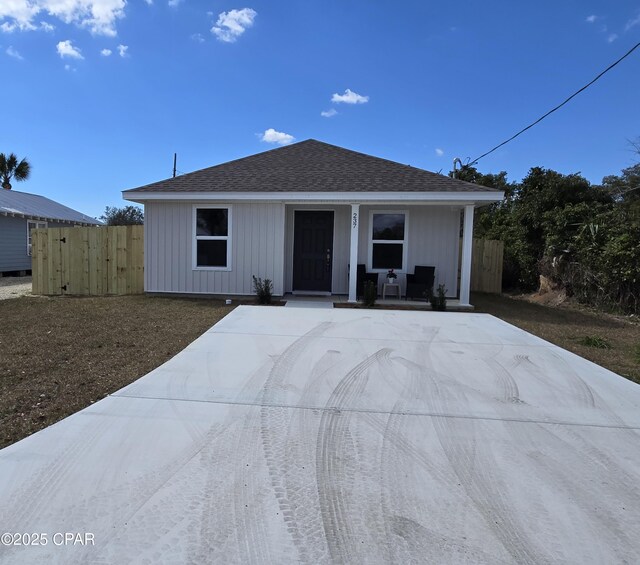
{"x": 48, "y": 219}
{"x": 480, "y": 197}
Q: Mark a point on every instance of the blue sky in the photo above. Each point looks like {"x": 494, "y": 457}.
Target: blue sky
{"x": 99, "y": 94}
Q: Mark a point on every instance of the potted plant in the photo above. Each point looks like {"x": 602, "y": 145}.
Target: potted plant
{"x": 391, "y": 276}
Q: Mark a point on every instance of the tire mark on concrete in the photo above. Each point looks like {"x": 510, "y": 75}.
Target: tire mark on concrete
{"x": 423, "y": 545}
{"x": 274, "y": 436}
{"x": 123, "y": 501}
{"x": 301, "y": 491}
{"x": 165, "y": 499}
{"x": 575, "y": 475}
{"x": 229, "y": 480}
{"x": 32, "y": 497}
{"x": 390, "y": 478}
{"x": 506, "y": 383}
{"x": 218, "y": 516}
{"x": 578, "y": 388}
{"x": 565, "y": 474}
{"x": 335, "y": 462}
{"x": 475, "y": 469}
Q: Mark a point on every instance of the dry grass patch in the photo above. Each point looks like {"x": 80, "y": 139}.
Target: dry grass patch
{"x": 58, "y": 355}
{"x": 608, "y": 340}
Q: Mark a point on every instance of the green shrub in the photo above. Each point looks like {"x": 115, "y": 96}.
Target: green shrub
{"x": 263, "y": 289}
{"x": 370, "y": 294}
{"x": 595, "y": 341}
{"x": 438, "y": 300}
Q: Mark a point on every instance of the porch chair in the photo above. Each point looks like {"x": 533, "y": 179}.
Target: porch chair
{"x": 420, "y": 282}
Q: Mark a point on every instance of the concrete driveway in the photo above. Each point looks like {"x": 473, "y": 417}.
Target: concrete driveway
{"x": 311, "y": 435}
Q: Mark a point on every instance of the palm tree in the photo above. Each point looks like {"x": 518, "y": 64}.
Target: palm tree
{"x": 11, "y": 168}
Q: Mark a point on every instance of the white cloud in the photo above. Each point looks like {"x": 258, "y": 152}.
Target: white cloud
{"x": 69, "y": 68}
{"x": 174, "y": 3}
{"x": 198, "y": 38}
{"x": 98, "y": 16}
{"x": 632, "y": 23}
{"x": 612, "y": 37}
{"x": 273, "y": 136}
{"x": 591, "y": 19}
{"x": 149, "y": 2}
{"x": 329, "y": 113}
{"x": 19, "y": 14}
{"x": 66, "y": 49}
{"x": 122, "y": 50}
{"x": 45, "y": 26}
{"x": 105, "y": 52}
{"x": 232, "y": 24}
{"x": 349, "y": 97}
{"x": 439, "y": 152}
{"x": 7, "y": 27}
{"x": 14, "y": 53}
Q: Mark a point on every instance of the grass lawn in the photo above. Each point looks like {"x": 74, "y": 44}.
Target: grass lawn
{"x": 58, "y": 355}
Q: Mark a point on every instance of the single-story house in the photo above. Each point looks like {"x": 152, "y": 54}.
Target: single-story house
{"x": 301, "y": 215}
{"x": 20, "y": 212}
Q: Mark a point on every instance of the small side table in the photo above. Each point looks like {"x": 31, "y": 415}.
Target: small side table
{"x": 387, "y": 286}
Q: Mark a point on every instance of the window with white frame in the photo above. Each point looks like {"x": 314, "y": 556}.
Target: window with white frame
{"x": 212, "y": 237}
{"x": 32, "y": 225}
{"x": 388, "y": 240}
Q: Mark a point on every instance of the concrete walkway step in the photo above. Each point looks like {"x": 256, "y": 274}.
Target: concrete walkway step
{"x": 308, "y": 304}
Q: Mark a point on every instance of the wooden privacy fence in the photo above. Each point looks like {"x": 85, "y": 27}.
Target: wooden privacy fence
{"x": 486, "y": 266}
{"x": 97, "y": 261}
{"x": 90, "y": 261}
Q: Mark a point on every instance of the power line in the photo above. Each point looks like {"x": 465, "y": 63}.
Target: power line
{"x": 558, "y": 106}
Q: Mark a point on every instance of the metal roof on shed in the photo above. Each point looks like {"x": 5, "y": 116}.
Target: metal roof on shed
{"x": 15, "y": 203}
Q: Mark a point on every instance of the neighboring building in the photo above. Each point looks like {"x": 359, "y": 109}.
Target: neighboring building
{"x": 20, "y": 212}
{"x": 300, "y": 215}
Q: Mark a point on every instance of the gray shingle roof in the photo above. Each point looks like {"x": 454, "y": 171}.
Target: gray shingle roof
{"x": 311, "y": 166}
{"x": 35, "y": 206}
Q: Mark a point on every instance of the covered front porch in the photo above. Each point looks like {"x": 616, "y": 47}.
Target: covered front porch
{"x": 342, "y": 301}
{"x": 323, "y": 240}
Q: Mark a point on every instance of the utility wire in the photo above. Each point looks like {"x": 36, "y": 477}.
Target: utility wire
{"x": 558, "y": 106}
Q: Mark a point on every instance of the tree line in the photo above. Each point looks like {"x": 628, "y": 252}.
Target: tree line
{"x": 584, "y": 238}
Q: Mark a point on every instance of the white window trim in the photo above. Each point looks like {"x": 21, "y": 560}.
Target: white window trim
{"x": 36, "y": 226}
{"x": 196, "y": 237}
{"x": 371, "y": 241}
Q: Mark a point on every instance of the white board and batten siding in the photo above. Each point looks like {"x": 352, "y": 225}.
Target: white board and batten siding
{"x": 433, "y": 239}
{"x": 262, "y": 245}
{"x": 257, "y": 248}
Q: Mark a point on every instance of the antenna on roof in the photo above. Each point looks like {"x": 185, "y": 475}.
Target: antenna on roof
{"x": 175, "y": 160}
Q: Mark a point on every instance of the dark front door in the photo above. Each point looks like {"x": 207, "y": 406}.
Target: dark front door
{"x": 312, "y": 250}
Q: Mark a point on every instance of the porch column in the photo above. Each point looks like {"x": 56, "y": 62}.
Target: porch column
{"x": 467, "y": 245}
{"x": 353, "y": 256}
